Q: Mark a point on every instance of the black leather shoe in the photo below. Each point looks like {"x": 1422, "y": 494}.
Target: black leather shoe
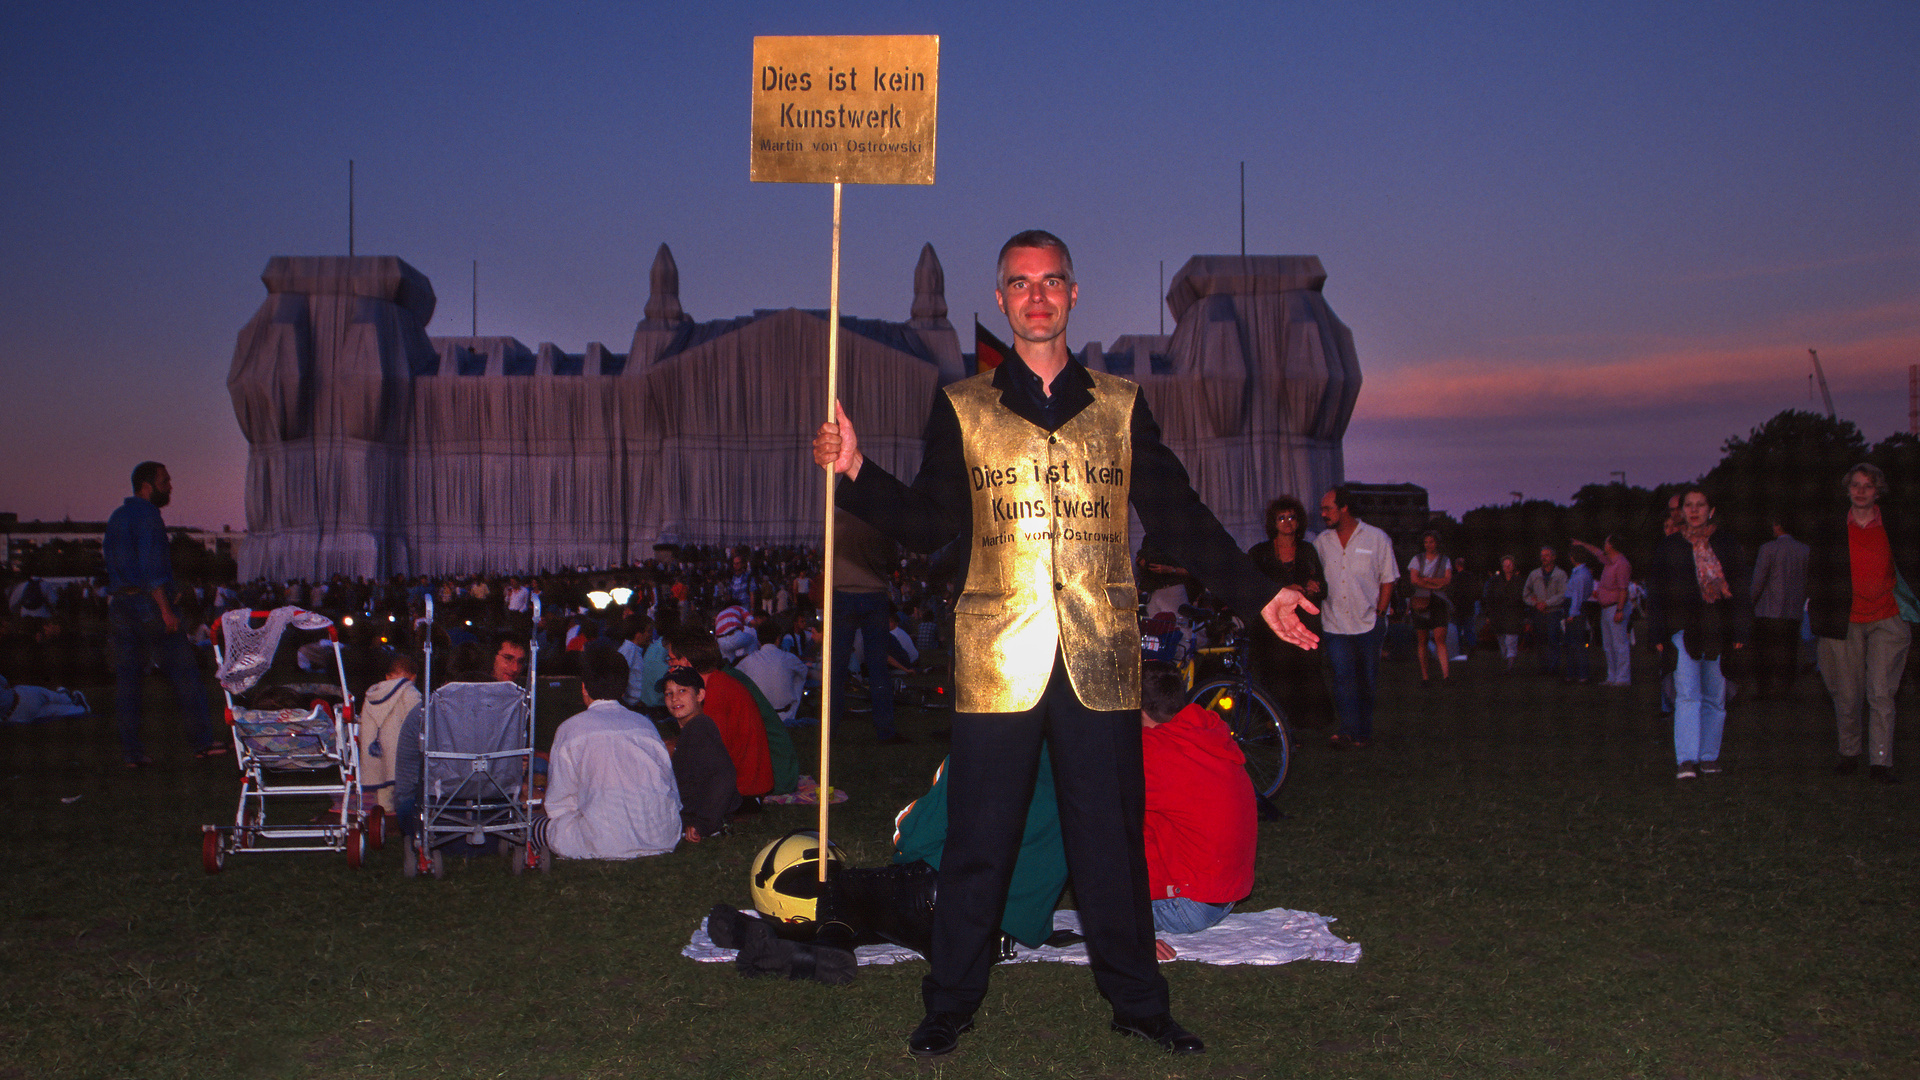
{"x": 938, "y": 1034}
{"x": 1162, "y": 1029}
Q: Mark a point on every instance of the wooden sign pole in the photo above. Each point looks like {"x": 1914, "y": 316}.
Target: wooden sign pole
{"x": 823, "y": 789}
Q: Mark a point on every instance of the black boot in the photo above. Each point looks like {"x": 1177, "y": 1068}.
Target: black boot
{"x": 888, "y": 903}
{"x": 763, "y": 953}
{"x": 723, "y": 925}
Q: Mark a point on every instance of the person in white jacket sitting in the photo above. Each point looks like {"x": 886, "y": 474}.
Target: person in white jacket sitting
{"x": 382, "y": 712}
{"x": 780, "y": 675}
{"x": 610, "y": 787}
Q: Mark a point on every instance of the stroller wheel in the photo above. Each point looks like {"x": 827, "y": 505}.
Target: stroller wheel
{"x": 516, "y": 856}
{"x": 409, "y": 858}
{"x": 439, "y": 864}
{"x": 546, "y": 860}
{"x": 356, "y": 846}
{"x": 213, "y": 853}
{"x": 246, "y": 837}
{"x": 377, "y": 828}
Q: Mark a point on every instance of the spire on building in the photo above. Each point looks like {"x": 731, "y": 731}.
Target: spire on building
{"x": 663, "y": 296}
{"x": 929, "y": 286}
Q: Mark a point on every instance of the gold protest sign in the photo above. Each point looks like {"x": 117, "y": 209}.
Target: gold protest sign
{"x": 852, "y": 110}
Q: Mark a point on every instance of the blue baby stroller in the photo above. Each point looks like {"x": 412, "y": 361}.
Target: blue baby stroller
{"x": 477, "y": 768}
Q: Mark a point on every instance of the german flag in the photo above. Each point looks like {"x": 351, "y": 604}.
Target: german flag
{"x": 989, "y": 351}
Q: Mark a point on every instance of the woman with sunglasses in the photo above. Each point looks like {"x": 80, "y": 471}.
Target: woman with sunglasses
{"x": 1290, "y": 674}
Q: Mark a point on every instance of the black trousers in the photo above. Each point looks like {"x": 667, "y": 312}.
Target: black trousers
{"x": 1292, "y": 677}
{"x": 1102, "y": 794}
{"x": 1776, "y": 646}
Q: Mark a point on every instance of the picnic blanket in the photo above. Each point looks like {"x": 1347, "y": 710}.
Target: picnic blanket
{"x": 1275, "y": 936}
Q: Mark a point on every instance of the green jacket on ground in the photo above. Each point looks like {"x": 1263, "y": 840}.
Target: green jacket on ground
{"x": 1040, "y": 872}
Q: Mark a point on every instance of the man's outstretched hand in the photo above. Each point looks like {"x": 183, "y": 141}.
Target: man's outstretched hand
{"x": 1282, "y": 614}
{"x": 836, "y": 447}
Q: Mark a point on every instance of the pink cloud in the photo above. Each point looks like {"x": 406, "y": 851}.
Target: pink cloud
{"x": 1866, "y": 349}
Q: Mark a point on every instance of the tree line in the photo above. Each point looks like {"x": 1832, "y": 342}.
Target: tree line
{"x": 1790, "y": 467}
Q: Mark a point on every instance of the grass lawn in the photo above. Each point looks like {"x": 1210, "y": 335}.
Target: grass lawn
{"x": 1535, "y": 893}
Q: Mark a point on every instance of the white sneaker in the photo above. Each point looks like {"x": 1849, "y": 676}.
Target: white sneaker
{"x": 1686, "y": 771}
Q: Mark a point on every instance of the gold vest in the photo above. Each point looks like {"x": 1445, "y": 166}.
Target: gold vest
{"x": 1050, "y": 567}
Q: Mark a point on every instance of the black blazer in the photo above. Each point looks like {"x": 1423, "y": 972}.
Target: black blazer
{"x": 1830, "y": 566}
{"x": 1675, "y": 594}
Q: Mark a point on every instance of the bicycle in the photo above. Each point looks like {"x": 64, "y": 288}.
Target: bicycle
{"x": 1258, "y": 724}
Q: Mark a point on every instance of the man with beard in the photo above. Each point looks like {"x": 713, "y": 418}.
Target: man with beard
{"x": 142, "y": 624}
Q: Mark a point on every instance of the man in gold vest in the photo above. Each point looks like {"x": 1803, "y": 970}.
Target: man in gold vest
{"x": 1035, "y": 464}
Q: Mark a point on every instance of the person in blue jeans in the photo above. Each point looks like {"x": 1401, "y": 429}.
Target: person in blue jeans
{"x": 143, "y": 629}
{"x": 1575, "y": 666}
{"x": 861, "y": 569}
{"x": 1699, "y": 580}
{"x": 1358, "y": 560}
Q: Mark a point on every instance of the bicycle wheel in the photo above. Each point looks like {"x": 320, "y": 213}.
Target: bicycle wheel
{"x": 1258, "y": 725}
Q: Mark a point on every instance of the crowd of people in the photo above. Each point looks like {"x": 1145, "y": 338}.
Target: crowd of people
{"x": 1580, "y": 609}
{"x": 748, "y": 586}
{"x": 1700, "y": 602}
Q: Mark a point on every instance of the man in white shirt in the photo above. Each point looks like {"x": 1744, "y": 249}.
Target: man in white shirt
{"x": 1358, "y": 559}
{"x": 610, "y": 788}
{"x": 780, "y": 675}
{"x": 902, "y": 639}
{"x": 902, "y": 653}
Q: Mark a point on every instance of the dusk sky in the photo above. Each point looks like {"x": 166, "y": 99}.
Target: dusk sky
{"x": 1569, "y": 239}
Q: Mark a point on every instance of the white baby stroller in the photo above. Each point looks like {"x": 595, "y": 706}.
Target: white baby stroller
{"x": 291, "y": 740}
{"x": 476, "y": 760}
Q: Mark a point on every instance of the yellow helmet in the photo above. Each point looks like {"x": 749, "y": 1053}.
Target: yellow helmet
{"x": 785, "y": 876}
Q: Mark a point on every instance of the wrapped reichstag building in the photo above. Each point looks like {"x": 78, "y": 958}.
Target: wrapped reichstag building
{"x": 376, "y": 449}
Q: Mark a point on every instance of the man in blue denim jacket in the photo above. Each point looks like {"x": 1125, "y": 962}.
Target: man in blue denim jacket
{"x": 143, "y": 627}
